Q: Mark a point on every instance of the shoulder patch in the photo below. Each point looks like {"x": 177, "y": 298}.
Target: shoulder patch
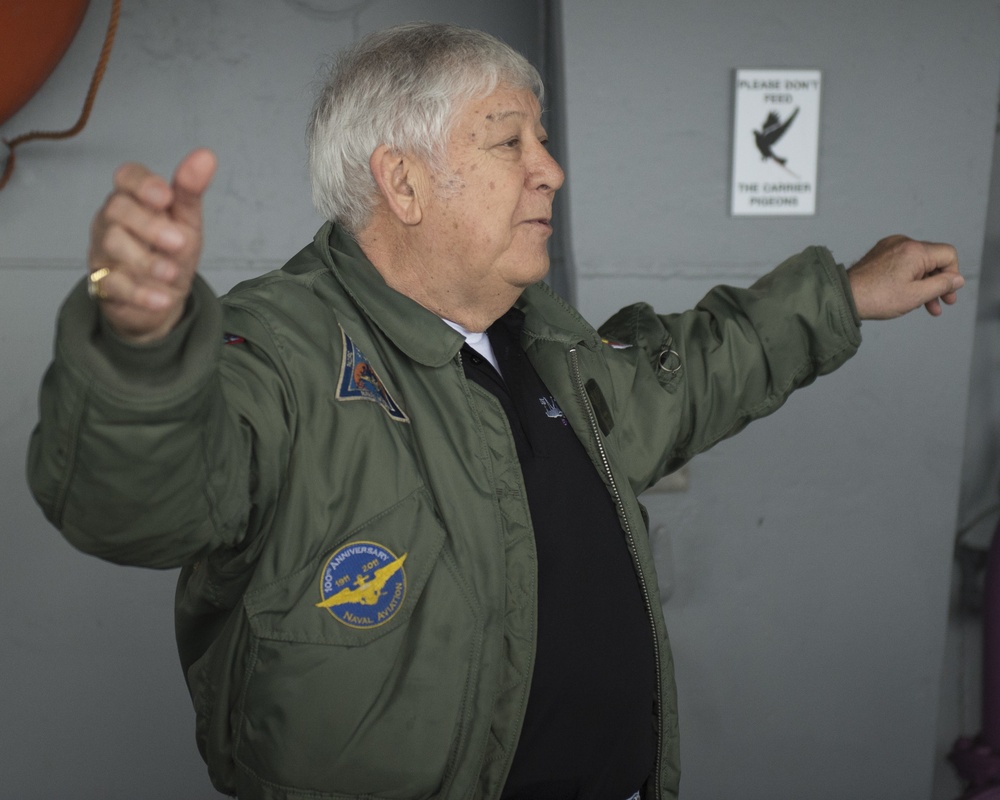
{"x": 359, "y": 381}
{"x": 233, "y": 338}
{"x": 363, "y": 584}
{"x": 616, "y": 345}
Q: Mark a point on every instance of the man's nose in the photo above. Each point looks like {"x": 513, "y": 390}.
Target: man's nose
{"x": 546, "y": 172}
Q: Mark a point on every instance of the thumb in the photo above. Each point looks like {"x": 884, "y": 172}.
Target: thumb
{"x": 944, "y": 283}
{"x": 940, "y": 286}
{"x": 191, "y": 179}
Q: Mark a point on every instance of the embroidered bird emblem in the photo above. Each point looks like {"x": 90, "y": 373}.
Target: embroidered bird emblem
{"x": 771, "y": 131}
{"x": 366, "y": 590}
{"x": 552, "y": 410}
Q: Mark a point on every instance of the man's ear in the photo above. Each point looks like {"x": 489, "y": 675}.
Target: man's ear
{"x": 398, "y": 176}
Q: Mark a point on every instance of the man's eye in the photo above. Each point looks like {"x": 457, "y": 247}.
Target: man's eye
{"x": 511, "y": 143}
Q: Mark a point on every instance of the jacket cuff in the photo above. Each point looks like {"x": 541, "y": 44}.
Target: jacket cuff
{"x": 838, "y": 275}
{"x": 848, "y": 292}
{"x": 153, "y": 372}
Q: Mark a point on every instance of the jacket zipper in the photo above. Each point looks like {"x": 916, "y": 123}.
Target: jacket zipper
{"x": 630, "y": 537}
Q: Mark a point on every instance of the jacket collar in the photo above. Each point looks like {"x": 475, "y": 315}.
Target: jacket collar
{"x": 547, "y": 317}
{"x": 420, "y": 333}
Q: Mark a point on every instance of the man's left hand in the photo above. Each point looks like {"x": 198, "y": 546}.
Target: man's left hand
{"x": 900, "y": 274}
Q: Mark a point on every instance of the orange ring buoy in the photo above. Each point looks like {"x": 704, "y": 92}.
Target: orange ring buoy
{"x": 34, "y": 36}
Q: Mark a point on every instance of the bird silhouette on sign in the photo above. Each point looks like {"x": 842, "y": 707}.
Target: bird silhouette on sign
{"x": 771, "y": 131}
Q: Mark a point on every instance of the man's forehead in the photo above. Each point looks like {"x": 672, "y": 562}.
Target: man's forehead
{"x": 505, "y": 104}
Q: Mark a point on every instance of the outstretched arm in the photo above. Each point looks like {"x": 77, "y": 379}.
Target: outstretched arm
{"x": 900, "y": 274}
{"x": 146, "y": 241}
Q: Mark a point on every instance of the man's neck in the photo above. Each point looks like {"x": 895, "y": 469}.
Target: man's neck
{"x": 406, "y": 271}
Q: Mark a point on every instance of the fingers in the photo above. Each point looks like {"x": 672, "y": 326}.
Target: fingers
{"x": 940, "y": 257}
{"x": 132, "y": 296}
{"x": 942, "y": 279}
{"x": 127, "y": 230}
{"x": 146, "y": 186}
{"x": 138, "y": 245}
{"x": 900, "y": 274}
{"x": 124, "y": 273}
{"x": 934, "y": 306}
{"x": 148, "y": 237}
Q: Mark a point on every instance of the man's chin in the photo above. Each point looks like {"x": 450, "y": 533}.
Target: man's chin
{"x": 541, "y": 272}
{"x": 540, "y": 276}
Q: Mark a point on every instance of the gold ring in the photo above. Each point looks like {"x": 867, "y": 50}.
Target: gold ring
{"x": 94, "y": 288}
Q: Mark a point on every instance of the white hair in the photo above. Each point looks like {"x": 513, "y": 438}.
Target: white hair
{"x": 400, "y": 87}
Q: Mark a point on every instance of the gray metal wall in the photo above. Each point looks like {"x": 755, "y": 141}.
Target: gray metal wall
{"x": 979, "y": 506}
{"x": 809, "y": 561}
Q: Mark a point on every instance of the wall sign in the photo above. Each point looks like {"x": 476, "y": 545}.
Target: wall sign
{"x": 775, "y": 142}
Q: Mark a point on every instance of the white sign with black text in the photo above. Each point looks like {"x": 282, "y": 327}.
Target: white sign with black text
{"x": 775, "y": 142}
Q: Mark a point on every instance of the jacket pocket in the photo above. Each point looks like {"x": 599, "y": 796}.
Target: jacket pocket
{"x": 363, "y": 665}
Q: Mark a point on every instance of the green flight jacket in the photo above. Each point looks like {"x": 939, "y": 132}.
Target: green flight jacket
{"x": 336, "y": 423}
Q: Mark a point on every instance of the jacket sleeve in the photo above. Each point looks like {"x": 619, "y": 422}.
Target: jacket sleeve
{"x": 735, "y": 357}
{"x": 141, "y": 455}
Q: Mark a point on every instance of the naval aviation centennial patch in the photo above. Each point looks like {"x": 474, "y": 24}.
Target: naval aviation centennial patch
{"x": 363, "y": 584}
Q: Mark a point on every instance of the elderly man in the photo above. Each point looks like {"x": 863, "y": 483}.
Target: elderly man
{"x": 400, "y": 474}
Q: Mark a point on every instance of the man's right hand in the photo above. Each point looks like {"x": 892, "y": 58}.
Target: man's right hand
{"x": 148, "y": 235}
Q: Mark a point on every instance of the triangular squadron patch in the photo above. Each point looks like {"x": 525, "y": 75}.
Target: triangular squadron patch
{"x": 359, "y": 381}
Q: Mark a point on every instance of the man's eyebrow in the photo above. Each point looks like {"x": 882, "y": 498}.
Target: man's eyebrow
{"x": 500, "y": 116}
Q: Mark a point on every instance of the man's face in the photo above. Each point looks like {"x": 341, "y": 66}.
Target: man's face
{"x": 489, "y": 217}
